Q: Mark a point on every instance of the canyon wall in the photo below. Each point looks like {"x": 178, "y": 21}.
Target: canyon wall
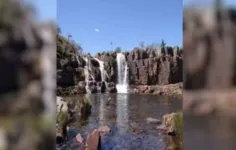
{"x": 146, "y": 67}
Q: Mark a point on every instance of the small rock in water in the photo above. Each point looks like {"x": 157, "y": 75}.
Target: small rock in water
{"x": 109, "y": 101}
{"x": 104, "y": 129}
{"x": 153, "y": 120}
{"x": 93, "y": 140}
{"x": 79, "y": 138}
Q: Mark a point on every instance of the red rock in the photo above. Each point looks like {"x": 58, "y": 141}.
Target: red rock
{"x": 93, "y": 140}
{"x": 79, "y": 138}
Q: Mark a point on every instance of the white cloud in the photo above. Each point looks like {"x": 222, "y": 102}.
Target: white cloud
{"x": 96, "y": 30}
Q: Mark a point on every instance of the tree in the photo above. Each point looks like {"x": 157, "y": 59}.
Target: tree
{"x": 142, "y": 44}
{"x": 163, "y": 44}
{"x": 118, "y": 49}
{"x": 69, "y": 36}
{"x": 77, "y": 47}
{"x": 58, "y": 30}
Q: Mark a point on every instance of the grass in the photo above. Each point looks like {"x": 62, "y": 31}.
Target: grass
{"x": 62, "y": 117}
{"x": 178, "y": 126}
{"x": 86, "y": 108}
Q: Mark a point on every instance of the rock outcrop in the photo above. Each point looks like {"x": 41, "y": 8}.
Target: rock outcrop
{"x": 149, "y": 66}
{"x": 165, "y": 90}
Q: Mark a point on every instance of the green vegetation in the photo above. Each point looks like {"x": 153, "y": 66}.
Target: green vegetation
{"x": 118, "y": 49}
{"x": 178, "y": 126}
{"x": 62, "y": 118}
{"x": 66, "y": 47}
{"x": 85, "y": 108}
{"x": 163, "y": 44}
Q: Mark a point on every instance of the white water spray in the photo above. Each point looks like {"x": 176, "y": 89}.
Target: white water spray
{"x": 101, "y": 67}
{"x": 122, "y": 73}
{"x": 87, "y": 74}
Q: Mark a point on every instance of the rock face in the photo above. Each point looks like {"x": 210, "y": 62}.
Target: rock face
{"x": 149, "y": 66}
{"x": 166, "y": 90}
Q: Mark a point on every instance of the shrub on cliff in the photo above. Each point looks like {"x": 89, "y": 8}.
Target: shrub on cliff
{"x": 163, "y": 44}
{"x": 178, "y": 126}
{"x": 66, "y": 47}
{"x": 118, "y": 49}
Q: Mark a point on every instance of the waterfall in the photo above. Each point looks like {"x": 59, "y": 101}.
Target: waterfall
{"x": 103, "y": 71}
{"x": 122, "y": 73}
{"x": 87, "y": 74}
{"x": 101, "y": 67}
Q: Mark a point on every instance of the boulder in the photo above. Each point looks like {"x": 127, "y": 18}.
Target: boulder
{"x": 79, "y": 138}
{"x": 93, "y": 140}
{"x": 153, "y": 120}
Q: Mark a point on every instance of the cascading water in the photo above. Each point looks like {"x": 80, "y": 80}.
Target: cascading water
{"x": 103, "y": 72}
{"x": 122, "y": 73}
{"x": 101, "y": 65}
{"x": 87, "y": 74}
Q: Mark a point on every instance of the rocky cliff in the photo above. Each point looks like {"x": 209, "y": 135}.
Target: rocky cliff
{"x": 146, "y": 67}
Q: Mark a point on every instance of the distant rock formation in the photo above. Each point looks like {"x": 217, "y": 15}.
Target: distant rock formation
{"x": 146, "y": 67}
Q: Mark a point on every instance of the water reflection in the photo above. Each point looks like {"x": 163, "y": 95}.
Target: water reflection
{"x": 102, "y": 111}
{"x": 126, "y": 115}
{"x": 122, "y": 112}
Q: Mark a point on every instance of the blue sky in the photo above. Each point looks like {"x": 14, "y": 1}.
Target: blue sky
{"x": 125, "y": 23}
{"x": 95, "y": 23}
{"x": 47, "y": 9}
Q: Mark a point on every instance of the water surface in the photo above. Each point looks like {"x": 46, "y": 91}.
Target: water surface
{"x": 126, "y": 115}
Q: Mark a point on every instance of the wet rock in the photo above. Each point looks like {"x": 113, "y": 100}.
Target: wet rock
{"x": 103, "y": 87}
{"x": 112, "y": 90}
{"x": 168, "y": 119}
{"x": 167, "y": 125}
{"x": 149, "y": 91}
{"x": 111, "y": 87}
{"x": 79, "y": 138}
{"x": 72, "y": 90}
{"x": 61, "y": 105}
{"x": 104, "y": 129}
{"x": 110, "y": 102}
{"x": 93, "y": 140}
{"x": 153, "y": 121}
{"x": 170, "y": 89}
{"x": 82, "y": 83}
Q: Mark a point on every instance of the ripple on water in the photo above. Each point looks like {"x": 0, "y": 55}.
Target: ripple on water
{"x": 127, "y": 120}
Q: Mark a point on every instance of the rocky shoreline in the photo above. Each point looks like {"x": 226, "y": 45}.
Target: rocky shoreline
{"x": 165, "y": 90}
{"x": 162, "y": 90}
